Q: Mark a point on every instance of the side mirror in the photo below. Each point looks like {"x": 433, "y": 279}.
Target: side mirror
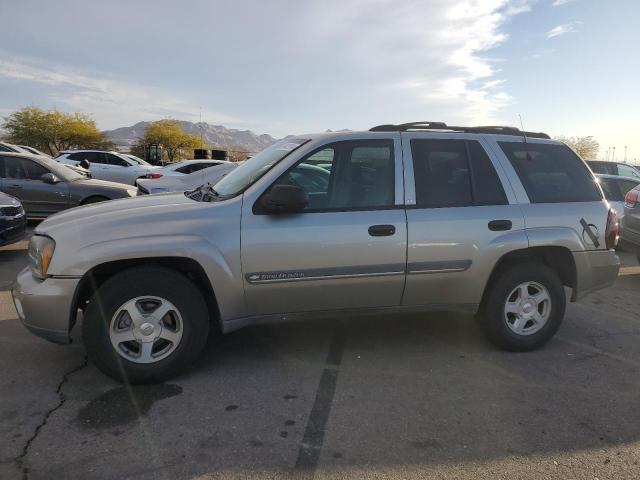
{"x": 49, "y": 178}
{"x": 285, "y": 199}
{"x": 84, "y": 163}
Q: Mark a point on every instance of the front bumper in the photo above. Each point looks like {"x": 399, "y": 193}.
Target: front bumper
{"x": 595, "y": 270}
{"x": 44, "y": 307}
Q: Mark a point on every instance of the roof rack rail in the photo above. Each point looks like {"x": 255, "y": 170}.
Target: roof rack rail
{"x": 489, "y": 129}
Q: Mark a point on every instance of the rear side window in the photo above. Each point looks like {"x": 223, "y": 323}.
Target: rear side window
{"x": 602, "y": 168}
{"x": 551, "y": 173}
{"x": 454, "y": 173}
{"x": 611, "y": 190}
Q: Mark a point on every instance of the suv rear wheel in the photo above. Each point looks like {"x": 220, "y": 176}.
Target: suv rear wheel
{"x": 524, "y": 307}
{"x": 145, "y": 325}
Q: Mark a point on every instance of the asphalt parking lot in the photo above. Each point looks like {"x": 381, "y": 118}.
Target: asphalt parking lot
{"x": 414, "y": 397}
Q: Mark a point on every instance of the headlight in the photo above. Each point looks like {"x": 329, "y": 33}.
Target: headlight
{"x": 41, "y": 250}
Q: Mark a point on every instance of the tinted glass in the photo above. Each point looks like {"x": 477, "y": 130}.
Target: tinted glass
{"x": 487, "y": 188}
{"x": 602, "y": 167}
{"x": 441, "y": 172}
{"x": 91, "y": 157}
{"x": 117, "y": 161}
{"x": 22, "y": 169}
{"x": 610, "y": 189}
{"x": 347, "y": 175}
{"x": 627, "y": 171}
{"x": 551, "y": 173}
{"x": 625, "y": 186}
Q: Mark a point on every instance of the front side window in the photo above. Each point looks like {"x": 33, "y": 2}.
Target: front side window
{"x": 454, "y": 173}
{"x": 551, "y": 173}
{"x": 17, "y": 168}
{"x": 348, "y": 175}
{"x": 91, "y": 157}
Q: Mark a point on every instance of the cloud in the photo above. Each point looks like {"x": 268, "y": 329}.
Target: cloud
{"x": 283, "y": 68}
{"x": 109, "y": 99}
{"x": 559, "y": 3}
{"x": 563, "y": 29}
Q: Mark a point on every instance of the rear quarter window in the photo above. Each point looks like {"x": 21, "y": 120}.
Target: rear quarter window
{"x": 551, "y": 173}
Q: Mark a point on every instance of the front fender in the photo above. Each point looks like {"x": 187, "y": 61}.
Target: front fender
{"x": 221, "y": 265}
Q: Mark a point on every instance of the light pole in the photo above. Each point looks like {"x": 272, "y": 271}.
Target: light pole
{"x": 625, "y": 154}
{"x": 614, "y": 154}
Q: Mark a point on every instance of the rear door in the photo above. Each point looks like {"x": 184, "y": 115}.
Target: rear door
{"x": 462, "y": 217}
{"x": 21, "y": 178}
{"x": 118, "y": 169}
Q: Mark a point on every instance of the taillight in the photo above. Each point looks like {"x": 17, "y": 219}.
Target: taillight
{"x": 154, "y": 175}
{"x": 613, "y": 229}
{"x": 631, "y": 198}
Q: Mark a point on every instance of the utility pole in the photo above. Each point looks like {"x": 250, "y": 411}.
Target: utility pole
{"x": 200, "y": 125}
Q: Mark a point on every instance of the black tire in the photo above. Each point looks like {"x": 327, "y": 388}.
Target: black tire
{"x": 492, "y": 314}
{"x": 96, "y": 199}
{"x": 139, "y": 282}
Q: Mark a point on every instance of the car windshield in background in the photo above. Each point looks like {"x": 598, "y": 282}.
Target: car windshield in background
{"x": 61, "y": 171}
{"x": 551, "y": 173}
{"x": 246, "y": 174}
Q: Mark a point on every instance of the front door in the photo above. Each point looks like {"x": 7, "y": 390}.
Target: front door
{"x": 347, "y": 249}
{"x": 21, "y": 178}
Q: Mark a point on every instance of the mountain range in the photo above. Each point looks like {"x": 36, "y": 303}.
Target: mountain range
{"x": 214, "y": 135}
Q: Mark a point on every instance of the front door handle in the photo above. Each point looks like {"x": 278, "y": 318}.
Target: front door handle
{"x": 382, "y": 230}
{"x": 500, "y": 225}
{"x": 15, "y": 185}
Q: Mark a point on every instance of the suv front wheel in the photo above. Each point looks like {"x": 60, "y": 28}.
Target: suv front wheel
{"x": 145, "y": 325}
{"x": 524, "y": 307}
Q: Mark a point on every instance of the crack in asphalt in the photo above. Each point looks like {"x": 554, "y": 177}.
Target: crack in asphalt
{"x": 19, "y": 460}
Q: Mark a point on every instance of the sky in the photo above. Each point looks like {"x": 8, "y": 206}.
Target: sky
{"x": 567, "y": 67}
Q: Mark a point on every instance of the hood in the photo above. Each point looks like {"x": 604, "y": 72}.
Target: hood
{"x": 127, "y": 210}
{"x": 182, "y": 183}
{"x": 8, "y": 200}
{"x": 92, "y": 182}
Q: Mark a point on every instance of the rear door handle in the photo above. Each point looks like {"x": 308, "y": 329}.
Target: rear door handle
{"x": 382, "y": 230}
{"x": 500, "y": 225}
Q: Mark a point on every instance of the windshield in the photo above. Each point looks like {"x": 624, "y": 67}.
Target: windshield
{"x": 250, "y": 171}
{"x": 59, "y": 170}
{"x": 137, "y": 160}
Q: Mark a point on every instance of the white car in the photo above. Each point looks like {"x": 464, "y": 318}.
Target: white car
{"x": 186, "y": 167}
{"x": 182, "y": 183}
{"x": 615, "y": 188}
{"x": 111, "y": 166}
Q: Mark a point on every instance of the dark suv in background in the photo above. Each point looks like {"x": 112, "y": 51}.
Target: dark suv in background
{"x": 613, "y": 168}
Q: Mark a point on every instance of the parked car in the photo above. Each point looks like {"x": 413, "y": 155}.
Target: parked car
{"x": 613, "y": 168}
{"x": 13, "y": 221}
{"x": 35, "y": 151}
{"x": 9, "y": 147}
{"x": 44, "y": 186}
{"x": 182, "y": 183}
{"x": 415, "y": 217}
{"x": 615, "y": 188}
{"x": 185, "y": 167}
{"x": 111, "y": 166}
{"x": 630, "y": 226}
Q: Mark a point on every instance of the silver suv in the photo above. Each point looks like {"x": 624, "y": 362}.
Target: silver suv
{"x": 402, "y": 218}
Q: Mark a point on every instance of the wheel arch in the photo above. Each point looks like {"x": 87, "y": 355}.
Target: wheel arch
{"x": 87, "y": 200}
{"x": 190, "y": 268}
{"x": 559, "y": 259}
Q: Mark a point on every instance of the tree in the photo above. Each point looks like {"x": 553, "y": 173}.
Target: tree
{"x": 175, "y": 141}
{"x": 52, "y": 131}
{"x": 586, "y": 147}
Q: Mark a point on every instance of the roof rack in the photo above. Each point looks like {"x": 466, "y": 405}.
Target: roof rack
{"x": 441, "y": 126}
